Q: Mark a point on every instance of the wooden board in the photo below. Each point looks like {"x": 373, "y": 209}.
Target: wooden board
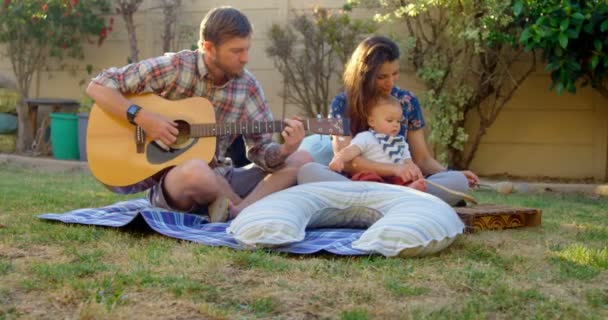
{"x": 497, "y": 217}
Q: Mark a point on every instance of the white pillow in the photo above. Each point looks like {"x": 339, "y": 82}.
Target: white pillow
{"x": 403, "y": 221}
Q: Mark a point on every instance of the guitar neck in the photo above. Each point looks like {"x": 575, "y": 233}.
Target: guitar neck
{"x": 253, "y": 127}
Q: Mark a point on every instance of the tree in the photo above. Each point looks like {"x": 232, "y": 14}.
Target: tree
{"x": 573, "y": 38}
{"x": 33, "y": 32}
{"x": 127, "y": 9}
{"x": 465, "y": 51}
{"x": 169, "y": 35}
{"x": 310, "y": 51}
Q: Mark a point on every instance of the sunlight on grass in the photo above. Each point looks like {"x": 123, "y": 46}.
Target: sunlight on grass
{"x": 582, "y": 255}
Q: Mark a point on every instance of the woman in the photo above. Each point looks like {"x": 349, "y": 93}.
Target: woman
{"x": 370, "y": 73}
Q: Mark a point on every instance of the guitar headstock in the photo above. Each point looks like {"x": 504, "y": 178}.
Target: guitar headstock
{"x": 330, "y": 126}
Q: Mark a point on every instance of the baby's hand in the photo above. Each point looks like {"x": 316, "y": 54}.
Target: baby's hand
{"x": 336, "y": 165}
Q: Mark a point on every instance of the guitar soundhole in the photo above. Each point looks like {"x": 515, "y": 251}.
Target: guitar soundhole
{"x": 183, "y": 137}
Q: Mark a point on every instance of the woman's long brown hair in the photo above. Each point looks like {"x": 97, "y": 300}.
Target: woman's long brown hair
{"x": 360, "y": 76}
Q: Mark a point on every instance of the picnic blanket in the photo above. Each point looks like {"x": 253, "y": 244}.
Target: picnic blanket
{"x": 196, "y": 228}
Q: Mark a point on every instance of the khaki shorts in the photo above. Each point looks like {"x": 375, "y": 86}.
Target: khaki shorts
{"x": 242, "y": 180}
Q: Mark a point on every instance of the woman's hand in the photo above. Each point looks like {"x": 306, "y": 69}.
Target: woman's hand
{"x": 471, "y": 177}
{"x": 408, "y": 171}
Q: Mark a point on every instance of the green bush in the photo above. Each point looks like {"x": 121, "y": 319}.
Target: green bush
{"x": 573, "y": 38}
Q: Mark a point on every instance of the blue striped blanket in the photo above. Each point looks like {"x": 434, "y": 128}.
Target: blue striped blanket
{"x": 195, "y": 228}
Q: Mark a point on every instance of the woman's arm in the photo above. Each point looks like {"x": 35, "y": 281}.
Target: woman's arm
{"x": 420, "y": 153}
{"x": 422, "y": 157}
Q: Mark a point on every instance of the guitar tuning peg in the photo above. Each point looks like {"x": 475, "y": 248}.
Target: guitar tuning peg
{"x": 329, "y": 116}
{"x": 339, "y": 117}
{"x": 318, "y": 116}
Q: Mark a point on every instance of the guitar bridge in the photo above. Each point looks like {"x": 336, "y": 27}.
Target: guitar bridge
{"x": 140, "y": 139}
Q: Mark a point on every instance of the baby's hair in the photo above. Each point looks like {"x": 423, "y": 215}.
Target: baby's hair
{"x": 387, "y": 99}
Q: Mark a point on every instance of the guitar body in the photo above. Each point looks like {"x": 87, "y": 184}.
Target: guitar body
{"x": 118, "y": 161}
{"x": 112, "y": 149}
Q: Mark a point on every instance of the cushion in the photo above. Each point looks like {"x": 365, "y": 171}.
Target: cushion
{"x": 401, "y": 221}
{"x": 319, "y": 147}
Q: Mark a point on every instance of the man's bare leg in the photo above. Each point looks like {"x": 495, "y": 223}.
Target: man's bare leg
{"x": 194, "y": 183}
{"x": 276, "y": 181}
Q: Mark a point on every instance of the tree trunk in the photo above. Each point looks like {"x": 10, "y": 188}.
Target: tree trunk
{"x": 466, "y": 158}
{"x": 128, "y": 17}
{"x": 127, "y": 9}
{"x": 170, "y": 8}
{"x": 25, "y": 61}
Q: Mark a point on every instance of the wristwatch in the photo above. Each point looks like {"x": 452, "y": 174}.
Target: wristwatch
{"x": 132, "y": 112}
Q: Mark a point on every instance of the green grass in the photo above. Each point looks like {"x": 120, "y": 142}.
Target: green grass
{"x": 558, "y": 270}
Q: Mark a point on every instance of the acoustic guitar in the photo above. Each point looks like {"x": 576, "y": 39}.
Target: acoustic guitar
{"x": 121, "y": 157}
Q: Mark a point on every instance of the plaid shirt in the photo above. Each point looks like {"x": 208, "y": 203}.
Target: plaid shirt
{"x": 182, "y": 75}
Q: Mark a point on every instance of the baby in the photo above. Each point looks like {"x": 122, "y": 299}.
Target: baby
{"x": 381, "y": 143}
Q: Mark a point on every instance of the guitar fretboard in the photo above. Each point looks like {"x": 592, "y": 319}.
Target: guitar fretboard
{"x": 214, "y": 129}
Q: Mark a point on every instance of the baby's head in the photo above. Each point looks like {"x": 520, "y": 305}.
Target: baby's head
{"x": 386, "y": 115}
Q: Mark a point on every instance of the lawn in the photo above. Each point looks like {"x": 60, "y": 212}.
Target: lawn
{"x": 58, "y": 271}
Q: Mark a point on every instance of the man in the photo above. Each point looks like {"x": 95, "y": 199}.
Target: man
{"x": 215, "y": 71}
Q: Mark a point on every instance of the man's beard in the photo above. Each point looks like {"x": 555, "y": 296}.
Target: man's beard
{"x": 229, "y": 74}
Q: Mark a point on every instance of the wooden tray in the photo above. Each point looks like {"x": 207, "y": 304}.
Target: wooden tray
{"x": 497, "y": 217}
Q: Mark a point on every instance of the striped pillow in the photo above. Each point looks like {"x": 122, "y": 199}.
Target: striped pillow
{"x": 401, "y": 221}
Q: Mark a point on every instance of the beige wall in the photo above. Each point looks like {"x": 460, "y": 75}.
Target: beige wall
{"x": 541, "y": 133}
{"x": 538, "y": 134}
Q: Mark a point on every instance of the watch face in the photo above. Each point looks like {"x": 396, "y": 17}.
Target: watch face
{"x": 132, "y": 112}
{"x": 132, "y": 109}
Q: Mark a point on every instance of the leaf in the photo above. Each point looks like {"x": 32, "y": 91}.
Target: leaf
{"x": 559, "y": 88}
{"x": 553, "y": 65}
{"x": 525, "y": 35}
{"x": 604, "y": 26}
{"x": 588, "y": 27}
{"x": 563, "y": 40}
{"x": 594, "y": 61}
{"x": 571, "y": 87}
{"x": 517, "y": 7}
{"x": 564, "y": 25}
{"x": 578, "y": 16}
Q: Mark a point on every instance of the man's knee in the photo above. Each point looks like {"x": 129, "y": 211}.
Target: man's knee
{"x": 193, "y": 173}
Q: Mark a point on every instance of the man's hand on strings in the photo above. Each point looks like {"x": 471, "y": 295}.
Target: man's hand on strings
{"x": 292, "y": 134}
{"x": 157, "y": 127}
